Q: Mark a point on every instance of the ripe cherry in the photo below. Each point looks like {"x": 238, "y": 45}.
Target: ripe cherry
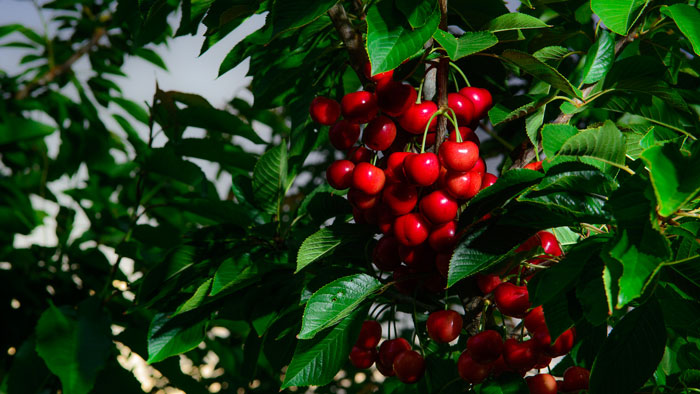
{"x": 443, "y": 237}
{"x": 575, "y": 379}
{"x": 404, "y": 279}
{"x": 561, "y": 346}
{"x": 416, "y": 117}
{"x": 384, "y": 369}
{"x": 480, "y": 167}
{"x": 463, "y": 107}
{"x": 379, "y": 133}
{"x": 485, "y": 347}
{"x": 422, "y": 168}
{"x": 385, "y": 220}
{"x": 394, "y": 97}
{"x": 324, "y": 110}
{"x": 386, "y": 254}
{"x": 549, "y": 243}
{"x": 368, "y": 178}
{"x": 376, "y": 77}
{"x": 470, "y": 370}
{"x": 438, "y": 207}
{"x": 543, "y": 361}
{"x": 467, "y": 135}
{"x": 394, "y": 167}
{"x": 400, "y": 198}
{"x": 462, "y": 185}
{"x": 534, "y": 320}
{"x": 419, "y": 258}
{"x": 489, "y": 179}
{"x": 359, "y": 154}
{"x": 339, "y": 174}
{"x": 359, "y": 107}
{"x": 442, "y": 263}
{"x": 344, "y": 134}
{"x": 362, "y": 200}
{"x": 391, "y": 348}
{"x": 535, "y": 166}
{"x": 481, "y": 98}
{"x": 444, "y": 326}
{"x": 519, "y": 355}
{"x": 363, "y": 358}
{"x": 487, "y": 283}
{"x": 543, "y": 383}
{"x": 459, "y": 156}
{"x": 411, "y": 229}
{"x": 370, "y": 334}
{"x": 409, "y": 366}
{"x": 511, "y": 300}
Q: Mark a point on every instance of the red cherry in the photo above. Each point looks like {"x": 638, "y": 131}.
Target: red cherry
{"x": 359, "y": 154}
{"x": 324, "y": 110}
{"x": 543, "y": 383}
{"x": 362, "y": 200}
{"x": 391, "y": 348}
{"x": 444, "y": 326}
{"x": 560, "y": 347}
{"x": 534, "y": 320}
{"x": 459, "y": 156}
{"x": 418, "y": 258}
{"x": 443, "y": 237}
{"x": 575, "y": 379}
{"x": 411, "y": 229}
{"x": 499, "y": 366}
{"x": 395, "y": 97}
{"x": 463, "y": 107}
{"x": 485, "y": 347}
{"x": 386, "y": 254}
{"x": 344, "y": 134}
{"x": 442, "y": 263}
{"x": 370, "y": 334}
{"x": 416, "y": 117}
{"x": 379, "y": 133}
{"x": 438, "y": 207}
{"x": 363, "y": 358}
{"x": 385, "y": 370}
{"x": 400, "y": 198}
{"x": 480, "y": 167}
{"x": 394, "y": 167}
{"x": 422, "y": 169}
{"x": 368, "y": 178}
{"x": 339, "y": 174}
{"x": 489, "y": 179}
{"x": 511, "y": 300}
{"x": 430, "y": 139}
{"x": 549, "y": 243}
{"x": 535, "y": 166}
{"x": 376, "y": 77}
{"x": 467, "y": 135}
{"x": 403, "y": 280}
{"x": 470, "y": 370}
{"x": 519, "y": 356}
{"x": 409, "y": 366}
{"x": 481, "y": 98}
{"x": 543, "y": 361}
{"x": 385, "y": 221}
{"x": 487, "y": 283}
{"x": 359, "y": 107}
{"x": 462, "y": 185}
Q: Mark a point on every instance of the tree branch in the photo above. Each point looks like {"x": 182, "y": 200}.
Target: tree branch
{"x": 352, "y": 41}
{"x": 442, "y": 79}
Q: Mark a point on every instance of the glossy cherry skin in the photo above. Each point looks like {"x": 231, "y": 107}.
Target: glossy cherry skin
{"x": 462, "y": 185}
{"x": 470, "y": 370}
{"x": 385, "y": 254}
{"x": 359, "y": 107}
{"x": 370, "y": 334}
{"x": 362, "y": 358}
{"x": 385, "y": 370}
{"x": 466, "y": 133}
{"x": 534, "y": 320}
{"x": 438, "y": 207}
{"x": 575, "y": 379}
{"x": 442, "y": 263}
{"x": 459, "y": 156}
{"x": 481, "y": 98}
{"x": 400, "y": 198}
{"x": 411, "y": 229}
{"x": 549, "y": 243}
{"x": 543, "y": 383}
{"x": 379, "y": 133}
{"x": 519, "y": 356}
{"x": 463, "y": 107}
{"x": 479, "y": 167}
{"x": 324, "y": 110}
{"x": 391, "y": 348}
{"x": 368, "y": 178}
{"x": 489, "y": 179}
{"x": 376, "y": 77}
{"x": 394, "y": 97}
{"x": 511, "y": 300}
{"x": 339, "y": 174}
{"x": 344, "y": 134}
{"x": 560, "y": 347}
{"x": 362, "y": 200}
{"x": 422, "y": 168}
{"x": 394, "y": 167}
{"x": 409, "y": 366}
{"x": 444, "y": 326}
{"x": 416, "y": 117}
{"x": 443, "y": 237}
{"x": 485, "y": 347}
{"x": 488, "y": 282}
{"x": 359, "y": 154}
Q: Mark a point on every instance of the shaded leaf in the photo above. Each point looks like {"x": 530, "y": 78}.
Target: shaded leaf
{"x": 172, "y": 336}
{"x": 675, "y": 177}
{"x": 270, "y": 178}
{"x": 540, "y": 70}
{"x": 514, "y": 21}
{"x": 291, "y": 14}
{"x": 600, "y": 58}
{"x": 618, "y": 15}
{"x": 467, "y": 44}
{"x": 687, "y": 19}
{"x": 325, "y": 241}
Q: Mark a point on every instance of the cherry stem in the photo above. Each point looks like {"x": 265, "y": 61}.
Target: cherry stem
{"x": 460, "y": 73}
{"x": 453, "y": 119}
{"x": 427, "y": 126}
{"x": 374, "y": 158}
{"x": 420, "y": 91}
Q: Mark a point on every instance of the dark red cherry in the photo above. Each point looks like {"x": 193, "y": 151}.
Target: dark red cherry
{"x": 385, "y": 370}
{"x": 481, "y": 98}
{"x": 467, "y": 135}
{"x": 359, "y": 154}
{"x": 560, "y": 347}
{"x": 362, "y": 358}
{"x": 534, "y": 320}
{"x": 379, "y": 133}
{"x": 344, "y": 134}
{"x": 543, "y": 383}
{"x": 511, "y": 300}
{"x": 444, "y": 326}
{"x": 376, "y": 77}
{"x": 370, "y": 334}
{"x": 488, "y": 282}
{"x": 405, "y": 280}
{"x": 459, "y": 156}
{"x": 485, "y": 347}
{"x": 418, "y": 258}
{"x": 391, "y": 348}
{"x": 411, "y": 229}
{"x": 489, "y": 179}
{"x": 442, "y": 263}
{"x": 409, "y": 366}
{"x": 438, "y": 207}
{"x": 394, "y": 167}
{"x": 339, "y": 174}
{"x": 362, "y": 200}
{"x": 386, "y": 254}
{"x": 549, "y": 243}
{"x": 543, "y": 361}
{"x": 422, "y": 168}
{"x": 443, "y": 237}
{"x": 359, "y": 107}
{"x": 463, "y": 107}
{"x": 462, "y": 185}
{"x": 324, "y": 110}
{"x": 400, "y": 198}
{"x": 416, "y": 117}
{"x": 395, "y": 97}
{"x": 575, "y": 379}
{"x": 519, "y": 355}
{"x": 470, "y": 370}
{"x": 368, "y": 178}
{"x": 385, "y": 220}
{"x": 534, "y": 166}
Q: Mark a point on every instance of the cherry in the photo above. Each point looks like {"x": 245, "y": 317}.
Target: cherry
{"x": 324, "y": 110}
{"x": 462, "y": 185}
{"x": 438, "y": 207}
{"x": 549, "y": 243}
{"x": 385, "y": 370}
{"x": 363, "y": 358}
{"x": 575, "y": 379}
{"x": 385, "y": 221}
{"x": 359, "y": 154}
{"x": 370, "y": 334}
{"x": 519, "y": 355}
{"x": 403, "y": 282}
{"x": 339, "y": 174}
{"x": 394, "y": 167}
{"x": 391, "y": 348}
{"x": 563, "y": 344}
{"x": 422, "y": 168}
{"x": 344, "y": 134}
{"x": 376, "y": 77}
{"x": 435, "y": 283}
{"x": 543, "y": 361}
{"x": 543, "y": 383}
{"x": 459, "y": 156}
{"x": 394, "y": 97}
{"x": 463, "y": 107}
{"x": 443, "y": 237}
{"x": 411, "y": 229}
{"x": 362, "y": 200}
{"x": 534, "y": 320}
{"x": 379, "y": 133}
{"x": 470, "y": 370}
{"x": 416, "y": 117}
{"x": 442, "y": 263}
{"x": 529, "y": 244}
{"x": 430, "y": 139}
{"x": 535, "y": 166}
{"x": 479, "y": 167}
{"x": 489, "y": 179}
{"x": 368, "y": 178}
{"x": 487, "y": 283}
{"x": 359, "y": 107}
{"x": 485, "y": 347}
{"x": 409, "y": 366}
{"x": 499, "y": 366}
{"x": 400, "y": 198}
{"x": 444, "y": 326}
{"x": 386, "y": 254}
{"x": 481, "y": 98}
{"x": 417, "y": 257}
{"x": 467, "y": 135}
{"x": 511, "y": 300}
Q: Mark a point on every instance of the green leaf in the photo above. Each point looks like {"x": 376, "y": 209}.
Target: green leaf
{"x": 618, "y": 15}
{"x": 316, "y": 361}
{"x": 631, "y": 352}
{"x": 603, "y": 147}
{"x": 540, "y": 70}
{"x": 171, "y": 336}
{"x": 600, "y": 58}
{"x": 514, "y": 21}
{"x": 74, "y": 345}
{"x": 324, "y": 241}
{"x": 14, "y": 129}
{"x": 390, "y": 39}
{"x": 233, "y": 271}
{"x": 554, "y": 136}
{"x": 653, "y": 109}
{"x": 334, "y": 301}
{"x": 151, "y": 56}
{"x": 675, "y": 177}
{"x": 508, "y": 383}
{"x": 270, "y": 178}
{"x": 552, "y": 53}
{"x": 416, "y": 12}
{"x": 196, "y": 299}
{"x": 500, "y": 114}
{"x": 220, "y": 121}
{"x": 533, "y": 124}
{"x": 467, "y": 44}
{"x": 687, "y": 19}
{"x": 216, "y": 151}
{"x": 292, "y": 14}
{"x": 132, "y": 109}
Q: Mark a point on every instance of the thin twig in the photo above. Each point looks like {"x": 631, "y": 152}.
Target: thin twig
{"x": 352, "y": 40}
